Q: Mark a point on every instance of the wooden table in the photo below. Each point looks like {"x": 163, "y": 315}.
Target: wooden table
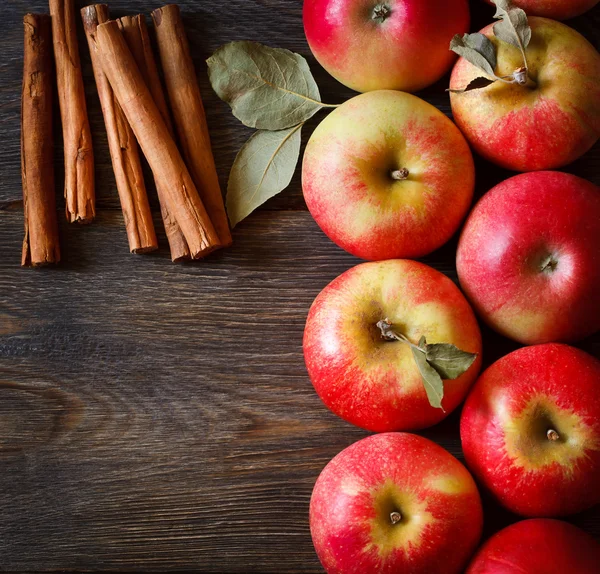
{"x": 158, "y": 416}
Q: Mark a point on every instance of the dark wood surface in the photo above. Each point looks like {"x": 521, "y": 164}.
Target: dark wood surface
{"x": 158, "y": 416}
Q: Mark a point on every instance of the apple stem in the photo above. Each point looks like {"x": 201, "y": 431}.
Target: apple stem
{"x": 387, "y": 333}
{"x": 552, "y": 435}
{"x": 395, "y": 517}
{"x": 400, "y": 174}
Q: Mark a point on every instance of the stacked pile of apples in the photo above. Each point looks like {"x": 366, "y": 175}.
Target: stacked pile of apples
{"x": 388, "y": 177}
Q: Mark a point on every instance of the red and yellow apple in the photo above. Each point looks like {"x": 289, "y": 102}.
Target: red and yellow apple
{"x": 529, "y": 259}
{"x": 555, "y": 9}
{"x": 527, "y": 128}
{"x": 395, "y": 502}
{"x": 530, "y": 430}
{"x": 387, "y": 175}
{"x": 374, "y": 383}
{"x": 384, "y": 44}
{"x": 536, "y": 546}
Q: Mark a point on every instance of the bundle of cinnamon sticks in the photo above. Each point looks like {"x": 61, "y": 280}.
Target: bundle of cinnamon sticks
{"x": 136, "y": 114}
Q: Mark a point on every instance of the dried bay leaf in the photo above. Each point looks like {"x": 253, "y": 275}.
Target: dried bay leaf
{"x": 513, "y": 28}
{"x": 434, "y": 386}
{"x": 448, "y": 360}
{"x": 267, "y": 88}
{"x": 263, "y": 167}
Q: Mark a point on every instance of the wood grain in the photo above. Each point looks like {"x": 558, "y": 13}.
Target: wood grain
{"x": 158, "y": 417}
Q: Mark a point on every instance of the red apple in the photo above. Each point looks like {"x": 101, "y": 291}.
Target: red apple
{"x": 393, "y": 503}
{"x": 387, "y": 175}
{"x": 555, "y": 9}
{"x": 387, "y": 44}
{"x": 530, "y": 430}
{"x": 528, "y": 128}
{"x": 529, "y": 257}
{"x": 538, "y": 546}
{"x": 374, "y": 383}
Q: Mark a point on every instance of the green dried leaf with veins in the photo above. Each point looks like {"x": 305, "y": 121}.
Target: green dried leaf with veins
{"x": 263, "y": 167}
{"x": 435, "y": 362}
{"x": 267, "y": 88}
{"x": 479, "y": 51}
{"x": 434, "y": 386}
{"x": 513, "y": 28}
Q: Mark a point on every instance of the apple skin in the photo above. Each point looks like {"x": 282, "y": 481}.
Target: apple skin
{"x": 408, "y": 51}
{"x": 555, "y": 9}
{"x": 501, "y": 253}
{"x": 535, "y": 546}
{"x": 528, "y": 129}
{"x": 505, "y": 422}
{"x": 373, "y": 383}
{"x": 349, "y": 190}
{"x": 358, "y": 490}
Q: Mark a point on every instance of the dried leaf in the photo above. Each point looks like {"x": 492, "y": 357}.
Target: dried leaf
{"x": 267, "y": 88}
{"x": 263, "y": 167}
{"x": 476, "y": 49}
{"x": 513, "y": 28}
{"x": 448, "y": 360}
{"x": 475, "y": 84}
{"x": 434, "y": 386}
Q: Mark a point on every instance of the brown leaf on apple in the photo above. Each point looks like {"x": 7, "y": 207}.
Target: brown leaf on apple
{"x": 475, "y": 84}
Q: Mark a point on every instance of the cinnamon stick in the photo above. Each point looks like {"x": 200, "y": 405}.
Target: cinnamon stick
{"x": 155, "y": 140}
{"x": 123, "y": 148}
{"x": 136, "y": 36}
{"x": 188, "y": 112}
{"x": 40, "y": 245}
{"x": 79, "y": 159}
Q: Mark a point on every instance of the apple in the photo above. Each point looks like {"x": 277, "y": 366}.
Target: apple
{"x": 536, "y": 546}
{"x": 555, "y": 9}
{"x": 387, "y": 44}
{"x": 530, "y": 430}
{"x": 545, "y": 125}
{"x": 374, "y": 383}
{"x": 528, "y": 257}
{"x": 387, "y": 175}
{"x": 395, "y": 502}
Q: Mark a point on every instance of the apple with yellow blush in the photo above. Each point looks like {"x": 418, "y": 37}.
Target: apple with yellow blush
{"x": 395, "y": 502}
{"x": 530, "y": 430}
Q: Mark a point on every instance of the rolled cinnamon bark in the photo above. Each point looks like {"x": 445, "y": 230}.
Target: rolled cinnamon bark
{"x": 80, "y": 192}
{"x": 40, "y": 245}
{"x": 135, "y": 33}
{"x": 155, "y": 140}
{"x": 188, "y": 112}
{"x": 123, "y": 148}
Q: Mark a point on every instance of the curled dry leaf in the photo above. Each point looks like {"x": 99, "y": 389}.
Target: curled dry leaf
{"x": 475, "y": 84}
{"x": 267, "y": 88}
{"x": 513, "y": 28}
{"x": 263, "y": 167}
{"x": 477, "y": 49}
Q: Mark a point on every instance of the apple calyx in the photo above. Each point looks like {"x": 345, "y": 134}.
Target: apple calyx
{"x": 400, "y": 174}
{"x": 549, "y": 264}
{"x": 435, "y": 361}
{"x": 477, "y": 49}
{"x": 395, "y": 517}
{"x": 381, "y": 12}
{"x": 552, "y": 435}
